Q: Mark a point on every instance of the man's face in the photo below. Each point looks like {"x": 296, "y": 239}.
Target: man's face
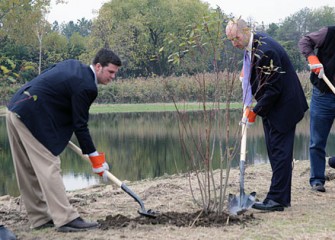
{"x": 105, "y": 74}
{"x": 239, "y": 39}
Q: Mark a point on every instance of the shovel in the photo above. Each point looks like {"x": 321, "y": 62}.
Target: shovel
{"x": 330, "y": 85}
{"x": 239, "y": 204}
{"x": 123, "y": 186}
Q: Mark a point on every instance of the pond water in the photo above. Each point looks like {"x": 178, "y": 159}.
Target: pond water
{"x": 147, "y": 145}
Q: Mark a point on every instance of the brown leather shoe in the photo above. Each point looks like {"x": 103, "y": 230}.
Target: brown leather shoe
{"x": 77, "y": 225}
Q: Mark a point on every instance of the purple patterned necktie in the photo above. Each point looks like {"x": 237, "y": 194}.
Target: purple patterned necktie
{"x": 247, "y": 95}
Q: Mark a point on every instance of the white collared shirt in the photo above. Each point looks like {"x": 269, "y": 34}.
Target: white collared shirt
{"x": 95, "y": 75}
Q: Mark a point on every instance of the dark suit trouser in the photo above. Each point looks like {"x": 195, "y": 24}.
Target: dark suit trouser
{"x": 280, "y": 151}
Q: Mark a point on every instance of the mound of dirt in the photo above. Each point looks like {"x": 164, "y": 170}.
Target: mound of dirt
{"x": 178, "y": 219}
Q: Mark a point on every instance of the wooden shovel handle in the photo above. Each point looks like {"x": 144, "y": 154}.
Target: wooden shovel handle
{"x": 77, "y": 150}
{"x": 330, "y": 85}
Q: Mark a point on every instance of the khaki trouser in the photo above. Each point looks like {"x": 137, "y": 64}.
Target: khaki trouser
{"x": 39, "y": 177}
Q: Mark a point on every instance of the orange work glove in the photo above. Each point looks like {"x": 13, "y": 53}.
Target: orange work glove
{"x": 99, "y": 164}
{"x": 315, "y": 65}
{"x": 249, "y": 117}
{"x": 241, "y": 75}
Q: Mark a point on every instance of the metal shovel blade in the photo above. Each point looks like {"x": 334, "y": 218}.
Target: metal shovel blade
{"x": 240, "y": 204}
{"x": 144, "y": 212}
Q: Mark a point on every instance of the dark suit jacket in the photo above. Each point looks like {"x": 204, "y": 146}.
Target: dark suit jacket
{"x": 275, "y": 85}
{"x": 63, "y": 96}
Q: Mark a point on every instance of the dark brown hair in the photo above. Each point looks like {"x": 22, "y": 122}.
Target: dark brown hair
{"x": 106, "y": 56}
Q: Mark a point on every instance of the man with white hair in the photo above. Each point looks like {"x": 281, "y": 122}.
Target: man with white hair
{"x": 271, "y": 79}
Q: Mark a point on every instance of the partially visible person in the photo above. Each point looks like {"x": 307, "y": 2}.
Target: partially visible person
{"x": 322, "y": 106}
{"x": 42, "y": 117}
{"x": 270, "y": 78}
{"x": 6, "y": 234}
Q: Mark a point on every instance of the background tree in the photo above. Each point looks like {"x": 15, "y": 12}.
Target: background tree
{"x": 136, "y": 30}
{"x": 289, "y": 32}
{"x": 83, "y": 27}
{"x": 18, "y": 20}
{"x": 55, "y": 48}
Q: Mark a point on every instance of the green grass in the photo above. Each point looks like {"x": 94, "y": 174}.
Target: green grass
{"x": 2, "y": 111}
{"x": 149, "y": 107}
{"x": 155, "y": 107}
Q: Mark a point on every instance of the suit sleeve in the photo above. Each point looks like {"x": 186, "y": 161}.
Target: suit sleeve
{"x": 268, "y": 74}
{"x": 81, "y": 103}
{"x": 311, "y": 41}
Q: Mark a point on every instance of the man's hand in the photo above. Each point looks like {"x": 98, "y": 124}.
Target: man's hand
{"x": 315, "y": 65}
{"x": 99, "y": 164}
{"x": 241, "y": 75}
{"x": 249, "y": 117}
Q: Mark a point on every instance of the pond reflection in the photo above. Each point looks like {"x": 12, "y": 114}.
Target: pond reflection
{"x": 144, "y": 145}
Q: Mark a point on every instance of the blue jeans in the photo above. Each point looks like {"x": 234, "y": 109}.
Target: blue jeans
{"x": 322, "y": 115}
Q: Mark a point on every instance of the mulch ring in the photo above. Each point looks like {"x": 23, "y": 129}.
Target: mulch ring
{"x": 179, "y": 219}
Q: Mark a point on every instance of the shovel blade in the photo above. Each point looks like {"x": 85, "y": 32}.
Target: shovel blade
{"x": 240, "y": 204}
{"x": 147, "y": 213}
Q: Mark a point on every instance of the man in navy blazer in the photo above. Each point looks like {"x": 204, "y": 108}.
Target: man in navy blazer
{"x": 281, "y": 103}
{"x": 42, "y": 117}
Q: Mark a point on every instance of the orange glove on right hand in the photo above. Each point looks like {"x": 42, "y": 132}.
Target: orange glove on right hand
{"x": 315, "y": 65}
{"x": 99, "y": 164}
{"x": 249, "y": 117}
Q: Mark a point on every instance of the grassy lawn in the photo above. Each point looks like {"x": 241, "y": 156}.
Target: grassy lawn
{"x": 149, "y": 107}
{"x": 155, "y": 107}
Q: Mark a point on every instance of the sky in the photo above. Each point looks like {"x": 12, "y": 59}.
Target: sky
{"x": 266, "y": 11}
{"x": 74, "y": 10}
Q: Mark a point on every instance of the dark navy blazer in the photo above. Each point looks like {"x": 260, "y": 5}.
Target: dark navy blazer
{"x": 275, "y": 84}
{"x": 55, "y": 104}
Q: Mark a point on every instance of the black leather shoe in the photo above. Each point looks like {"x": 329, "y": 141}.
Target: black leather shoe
{"x": 45, "y": 225}
{"x": 268, "y": 205}
{"x": 77, "y": 225}
{"x": 318, "y": 187}
{"x": 6, "y": 234}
